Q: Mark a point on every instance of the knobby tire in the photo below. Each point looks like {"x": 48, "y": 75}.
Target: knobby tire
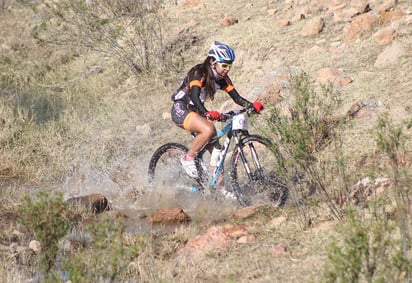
{"x": 164, "y": 165}
{"x": 166, "y": 171}
{"x": 265, "y": 187}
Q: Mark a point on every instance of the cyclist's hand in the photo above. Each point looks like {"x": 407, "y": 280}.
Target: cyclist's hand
{"x": 214, "y": 115}
{"x": 257, "y": 106}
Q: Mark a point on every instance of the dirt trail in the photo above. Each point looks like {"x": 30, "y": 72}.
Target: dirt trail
{"x": 127, "y": 190}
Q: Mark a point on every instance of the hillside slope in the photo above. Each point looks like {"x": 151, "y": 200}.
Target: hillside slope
{"x": 107, "y": 121}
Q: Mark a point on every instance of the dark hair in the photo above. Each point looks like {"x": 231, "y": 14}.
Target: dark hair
{"x": 205, "y": 70}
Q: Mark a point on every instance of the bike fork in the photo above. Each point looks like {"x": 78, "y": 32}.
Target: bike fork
{"x": 245, "y": 161}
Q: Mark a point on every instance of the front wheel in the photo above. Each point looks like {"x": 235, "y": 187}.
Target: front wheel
{"x": 252, "y": 173}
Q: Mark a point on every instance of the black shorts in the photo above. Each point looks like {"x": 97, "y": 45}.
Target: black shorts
{"x": 181, "y": 113}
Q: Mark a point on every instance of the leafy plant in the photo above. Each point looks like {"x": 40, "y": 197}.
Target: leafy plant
{"x": 367, "y": 251}
{"x": 48, "y": 219}
{"x": 376, "y": 243}
{"x": 107, "y": 255}
{"x": 301, "y": 128}
{"x": 391, "y": 141}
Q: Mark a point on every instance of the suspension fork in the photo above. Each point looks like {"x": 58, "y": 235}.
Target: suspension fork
{"x": 245, "y": 161}
{"x": 255, "y": 156}
{"x": 242, "y": 155}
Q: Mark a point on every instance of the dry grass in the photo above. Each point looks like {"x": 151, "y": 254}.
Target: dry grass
{"x": 111, "y": 121}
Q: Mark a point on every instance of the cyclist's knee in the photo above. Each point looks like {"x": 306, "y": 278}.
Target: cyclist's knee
{"x": 209, "y": 131}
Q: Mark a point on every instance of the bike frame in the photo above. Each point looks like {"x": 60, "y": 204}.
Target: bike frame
{"x": 227, "y": 130}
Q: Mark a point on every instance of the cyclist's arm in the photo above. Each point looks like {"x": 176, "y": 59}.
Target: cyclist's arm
{"x": 239, "y": 99}
{"x": 228, "y": 87}
{"x": 195, "y": 88}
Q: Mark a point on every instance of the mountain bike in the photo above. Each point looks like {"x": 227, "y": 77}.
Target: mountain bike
{"x": 251, "y": 164}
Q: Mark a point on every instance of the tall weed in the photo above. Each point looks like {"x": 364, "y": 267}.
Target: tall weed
{"x": 107, "y": 255}
{"x": 129, "y": 31}
{"x": 104, "y": 253}
{"x": 362, "y": 254}
{"x": 301, "y": 128}
{"x": 392, "y": 143}
{"x": 376, "y": 242}
{"x": 47, "y": 218}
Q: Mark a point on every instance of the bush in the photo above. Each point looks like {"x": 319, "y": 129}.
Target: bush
{"x": 300, "y": 130}
{"x": 129, "y": 31}
{"x": 107, "y": 254}
{"x": 368, "y": 250}
{"x": 104, "y": 254}
{"x": 376, "y": 243}
{"x": 48, "y": 219}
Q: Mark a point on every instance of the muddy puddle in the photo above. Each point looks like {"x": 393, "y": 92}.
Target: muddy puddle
{"x": 199, "y": 208}
{"x": 130, "y": 193}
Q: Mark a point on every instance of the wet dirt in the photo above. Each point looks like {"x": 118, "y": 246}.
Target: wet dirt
{"x": 200, "y": 208}
{"x": 131, "y": 194}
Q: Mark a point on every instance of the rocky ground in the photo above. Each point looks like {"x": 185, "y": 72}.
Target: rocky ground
{"x": 362, "y": 47}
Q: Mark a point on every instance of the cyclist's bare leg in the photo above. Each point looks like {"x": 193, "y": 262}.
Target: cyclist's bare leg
{"x": 204, "y": 130}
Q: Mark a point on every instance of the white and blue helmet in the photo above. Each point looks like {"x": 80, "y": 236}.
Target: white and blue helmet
{"x": 221, "y": 52}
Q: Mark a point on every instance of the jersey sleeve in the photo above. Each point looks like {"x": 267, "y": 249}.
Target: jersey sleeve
{"x": 227, "y": 85}
{"x": 195, "y": 87}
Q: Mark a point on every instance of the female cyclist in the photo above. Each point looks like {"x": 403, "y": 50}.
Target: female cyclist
{"x": 200, "y": 84}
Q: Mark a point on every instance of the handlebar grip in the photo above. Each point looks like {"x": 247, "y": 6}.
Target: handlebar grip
{"x": 224, "y": 117}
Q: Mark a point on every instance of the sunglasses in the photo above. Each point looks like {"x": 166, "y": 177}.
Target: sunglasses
{"x": 224, "y": 65}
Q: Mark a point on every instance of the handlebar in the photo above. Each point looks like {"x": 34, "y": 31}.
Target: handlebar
{"x": 229, "y": 115}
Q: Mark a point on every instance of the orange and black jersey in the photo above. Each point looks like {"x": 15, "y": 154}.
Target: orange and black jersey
{"x": 194, "y": 94}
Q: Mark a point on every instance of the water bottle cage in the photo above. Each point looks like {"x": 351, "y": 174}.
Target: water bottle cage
{"x": 215, "y": 156}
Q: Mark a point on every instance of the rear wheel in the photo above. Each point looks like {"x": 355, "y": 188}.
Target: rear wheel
{"x": 261, "y": 185}
{"x": 165, "y": 170}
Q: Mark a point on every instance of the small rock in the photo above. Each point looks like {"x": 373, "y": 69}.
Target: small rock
{"x": 276, "y": 221}
{"x": 390, "y": 55}
{"x": 35, "y": 246}
{"x": 278, "y": 250}
{"x": 229, "y": 21}
{"x": 169, "y": 216}
{"x": 246, "y": 212}
{"x": 283, "y": 22}
{"x": 246, "y": 239}
{"x": 313, "y": 27}
{"x": 385, "y": 35}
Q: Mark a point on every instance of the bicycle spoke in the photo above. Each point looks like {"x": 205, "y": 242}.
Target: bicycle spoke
{"x": 165, "y": 170}
{"x": 260, "y": 185}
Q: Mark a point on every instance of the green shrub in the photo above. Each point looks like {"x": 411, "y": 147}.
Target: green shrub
{"x": 391, "y": 145}
{"x": 129, "y": 31}
{"x": 368, "y": 250}
{"x": 104, "y": 256}
{"x": 376, "y": 243}
{"x": 107, "y": 255}
{"x": 48, "y": 219}
{"x": 302, "y": 128}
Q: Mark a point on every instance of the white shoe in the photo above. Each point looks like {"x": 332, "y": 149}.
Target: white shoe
{"x": 228, "y": 195}
{"x": 190, "y": 167}
{"x": 205, "y": 171}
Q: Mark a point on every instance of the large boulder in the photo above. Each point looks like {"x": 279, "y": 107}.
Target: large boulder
{"x": 96, "y": 203}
